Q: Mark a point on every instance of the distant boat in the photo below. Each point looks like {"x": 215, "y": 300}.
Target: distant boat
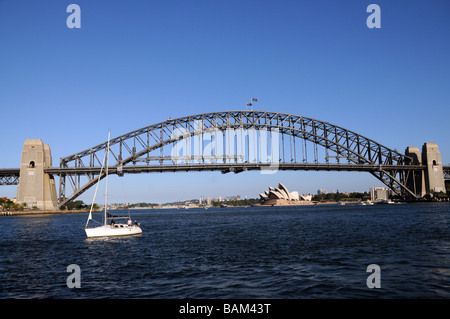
{"x": 386, "y": 201}
{"x": 341, "y": 203}
{"x": 113, "y": 229}
{"x": 223, "y": 205}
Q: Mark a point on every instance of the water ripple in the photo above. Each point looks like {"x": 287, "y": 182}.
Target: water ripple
{"x": 288, "y": 253}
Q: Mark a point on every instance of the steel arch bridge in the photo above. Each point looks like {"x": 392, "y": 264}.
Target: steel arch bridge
{"x": 236, "y": 141}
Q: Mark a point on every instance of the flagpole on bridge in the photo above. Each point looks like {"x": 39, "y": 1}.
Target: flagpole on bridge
{"x": 251, "y": 103}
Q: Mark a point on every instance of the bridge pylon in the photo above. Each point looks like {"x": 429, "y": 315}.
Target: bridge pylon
{"x": 36, "y": 188}
{"x": 428, "y": 181}
{"x": 434, "y": 174}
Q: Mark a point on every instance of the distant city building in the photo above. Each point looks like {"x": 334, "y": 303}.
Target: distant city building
{"x": 379, "y": 194}
{"x": 321, "y": 191}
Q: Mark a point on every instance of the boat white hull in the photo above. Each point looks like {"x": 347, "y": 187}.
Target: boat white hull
{"x": 117, "y": 230}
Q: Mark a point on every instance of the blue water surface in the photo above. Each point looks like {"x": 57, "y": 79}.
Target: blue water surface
{"x": 303, "y": 252}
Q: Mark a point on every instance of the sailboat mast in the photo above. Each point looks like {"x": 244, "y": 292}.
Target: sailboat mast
{"x": 106, "y": 180}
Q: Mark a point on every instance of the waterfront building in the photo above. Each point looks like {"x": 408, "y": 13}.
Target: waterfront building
{"x": 379, "y": 194}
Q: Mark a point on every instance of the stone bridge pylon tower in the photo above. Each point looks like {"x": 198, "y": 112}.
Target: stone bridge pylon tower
{"x": 431, "y": 180}
{"x": 36, "y": 188}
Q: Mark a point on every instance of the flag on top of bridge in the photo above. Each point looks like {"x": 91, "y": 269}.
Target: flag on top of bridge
{"x": 249, "y": 104}
{"x": 254, "y": 100}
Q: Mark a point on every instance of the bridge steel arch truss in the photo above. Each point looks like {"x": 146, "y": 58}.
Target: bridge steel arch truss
{"x": 238, "y": 141}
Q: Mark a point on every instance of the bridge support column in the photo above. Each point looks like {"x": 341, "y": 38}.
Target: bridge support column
{"x": 415, "y": 181}
{"x": 434, "y": 174}
{"x": 36, "y": 188}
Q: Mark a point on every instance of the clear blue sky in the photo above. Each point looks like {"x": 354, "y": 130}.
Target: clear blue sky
{"x": 135, "y": 63}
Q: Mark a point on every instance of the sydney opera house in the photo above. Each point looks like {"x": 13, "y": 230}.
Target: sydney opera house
{"x": 281, "y": 196}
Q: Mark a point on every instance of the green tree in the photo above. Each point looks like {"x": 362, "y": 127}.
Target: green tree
{"x": 76, "y": 205}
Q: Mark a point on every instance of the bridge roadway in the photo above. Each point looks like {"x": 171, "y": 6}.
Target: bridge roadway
{"x": 232, "y": 167}
{"x": 10, "y": 176}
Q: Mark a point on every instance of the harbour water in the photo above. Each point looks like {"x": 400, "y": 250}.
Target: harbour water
{"x": 272, "y": 252}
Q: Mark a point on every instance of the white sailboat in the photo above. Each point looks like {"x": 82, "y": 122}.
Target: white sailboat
{"x": 113, "y": 228}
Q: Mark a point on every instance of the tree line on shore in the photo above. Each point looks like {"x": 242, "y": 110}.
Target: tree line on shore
{"x": 337, "y": 197}
{"x": 80, "y": 205}
{"x": 7, "y": 205}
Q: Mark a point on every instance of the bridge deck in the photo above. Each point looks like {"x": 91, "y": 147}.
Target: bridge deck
{"x": 10, "y": 176}
{"x": 230, "y": 167}
{"x": 5, "y": 172}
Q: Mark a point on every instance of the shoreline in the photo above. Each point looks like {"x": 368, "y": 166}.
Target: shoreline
{"x": 43, "y": 212}
{"x": 51, "y": 212}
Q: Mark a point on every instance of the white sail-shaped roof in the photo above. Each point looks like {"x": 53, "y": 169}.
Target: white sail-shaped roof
{"x": 283, "y": 190}
{"x": 294, "y": 195}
